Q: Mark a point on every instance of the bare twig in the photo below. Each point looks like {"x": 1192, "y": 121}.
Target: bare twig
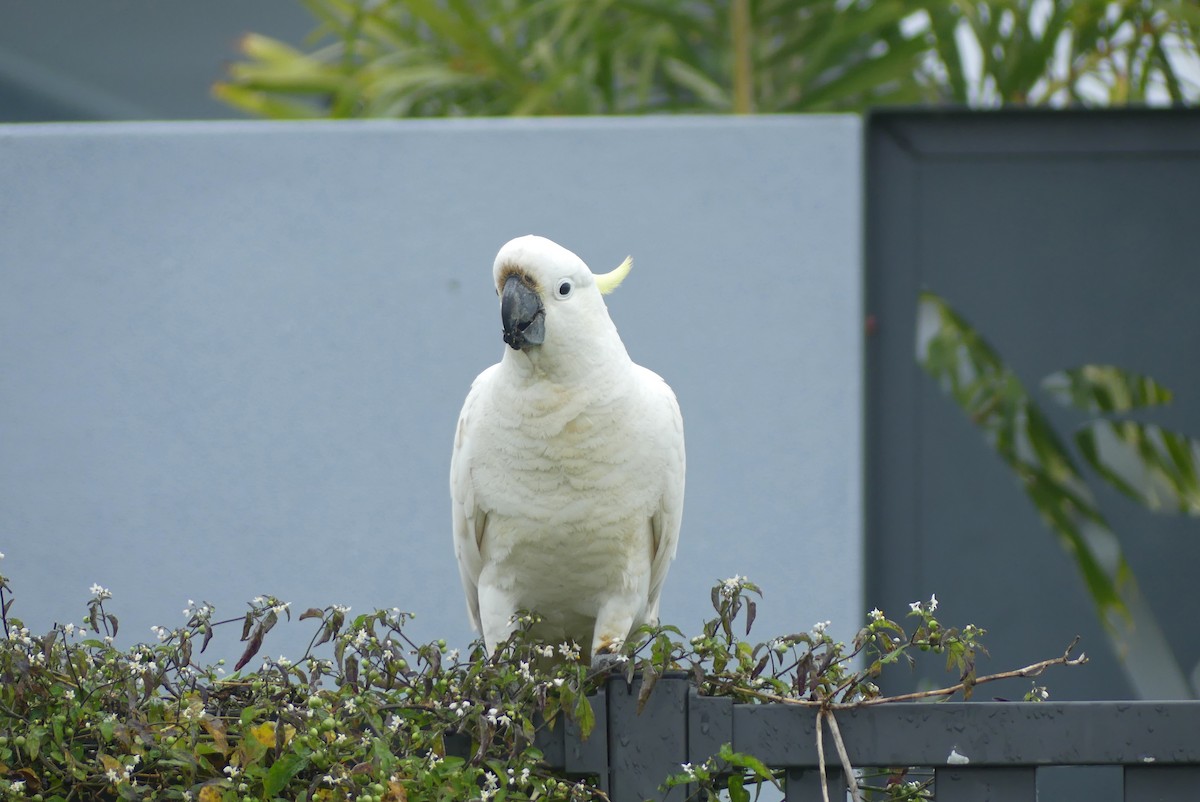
{"x": 821, "y": 758}
{"x": 847, "y": 769}
{"x": 1032, "y": 670}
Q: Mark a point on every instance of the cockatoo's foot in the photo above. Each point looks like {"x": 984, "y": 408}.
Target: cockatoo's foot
{"x": 606, "y": 655}
{"x": 604, "y": 662}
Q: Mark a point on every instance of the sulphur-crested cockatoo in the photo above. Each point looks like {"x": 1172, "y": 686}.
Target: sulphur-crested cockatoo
{"x": 568, "y": 463}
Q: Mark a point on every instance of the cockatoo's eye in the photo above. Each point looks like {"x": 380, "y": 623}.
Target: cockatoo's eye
{"x": 563, "y": 289}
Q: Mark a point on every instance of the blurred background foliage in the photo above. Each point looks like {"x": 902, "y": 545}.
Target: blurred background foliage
{"x": 1150, "y": 464}
{"x": 433, "y": 58}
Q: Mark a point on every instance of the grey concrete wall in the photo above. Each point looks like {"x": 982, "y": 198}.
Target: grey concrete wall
{"x": 232, "y": 354}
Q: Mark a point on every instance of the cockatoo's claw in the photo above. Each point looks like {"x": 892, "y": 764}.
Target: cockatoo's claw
{"x": 603, "y": 662}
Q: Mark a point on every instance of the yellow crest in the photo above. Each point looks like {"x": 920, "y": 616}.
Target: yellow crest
{"x": 607, "y": 282}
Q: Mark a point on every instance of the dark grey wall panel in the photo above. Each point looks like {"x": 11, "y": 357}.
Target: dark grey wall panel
{"x": 1064, "y": 238}
{"x": 233, "y": 354}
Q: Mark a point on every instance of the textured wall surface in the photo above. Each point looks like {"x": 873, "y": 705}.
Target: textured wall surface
{"x": 233, "y": 353}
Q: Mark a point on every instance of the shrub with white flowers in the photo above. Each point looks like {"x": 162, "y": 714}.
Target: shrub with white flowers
{"x": 367, "y": 714}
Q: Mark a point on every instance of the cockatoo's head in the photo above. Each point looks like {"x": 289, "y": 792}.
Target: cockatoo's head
{"x": 548, "y": 296}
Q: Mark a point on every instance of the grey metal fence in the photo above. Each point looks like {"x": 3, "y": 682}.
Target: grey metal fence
{"x": 978, "y": 751}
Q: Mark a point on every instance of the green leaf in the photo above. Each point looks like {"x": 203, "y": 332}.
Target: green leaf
{"x": 709, "y": 93}
{"x": 281, "y": 773}
{"x": 584, "y": 716}
{"x": 1153, "y": 466}
{"x": 1104, "y": 388}
{"x": 743, "y": 760}
{"x": 736, "y": 788}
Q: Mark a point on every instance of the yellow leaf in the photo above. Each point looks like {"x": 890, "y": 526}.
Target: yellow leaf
{"x": 216, "y": 729}
{"x": 210, "y": 793}
{"x": 395, "y": 792}
{"x": 110, "y": 763}
{"x": 265, "y": 733}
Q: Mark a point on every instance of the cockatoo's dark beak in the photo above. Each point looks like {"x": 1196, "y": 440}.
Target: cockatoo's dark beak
{"x": 522, "y": 314}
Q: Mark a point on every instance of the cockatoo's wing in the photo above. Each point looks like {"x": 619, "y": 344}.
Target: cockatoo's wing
{"x": 469, "y": 520}
{"x": 665, "y": 522}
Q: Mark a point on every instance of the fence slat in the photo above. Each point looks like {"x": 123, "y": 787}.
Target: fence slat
{"x": 1162, "y": 783}
{"x": 644, "y": 749}
{"x": 804, "y": 785}
{"x": 590, "y": 755}
{"x": 710, "y": 724}
{"x": 987, "y": 733}
{"x": 963, "y": 784}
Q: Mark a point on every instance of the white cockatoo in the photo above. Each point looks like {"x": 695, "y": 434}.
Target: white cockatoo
{"x": 568, "y": 463}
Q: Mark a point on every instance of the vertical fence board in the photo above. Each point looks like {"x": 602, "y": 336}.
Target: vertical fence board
{"x": 961, "y": 784}
{"x": 644, "y": 749}
{"x": 590, "y": 755}
{"x": 1162, "y": 783}
{"x": 804, "y": 785}
{"x": 710, "y": 725}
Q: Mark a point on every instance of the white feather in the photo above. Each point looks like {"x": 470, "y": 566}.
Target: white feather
{"x": 567, "y": 474}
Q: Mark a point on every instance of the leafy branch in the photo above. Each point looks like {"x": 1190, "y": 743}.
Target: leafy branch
{"x": 368, "y": 714}
{"x": 404, "y": 58}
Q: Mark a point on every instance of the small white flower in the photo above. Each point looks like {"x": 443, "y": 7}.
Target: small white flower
{"x": 68, "y": 694}
{"x": 17, "y": 786}
{"x": 351, "y": 706}
{"x": 876, "y": 614}
{"x": 279, "y": 608}
{"x": 100, "y": 593}
{"x": 933, "y": 602}
{"x": 341, "y": 608}
{"x": 688, "y": 770}
{"x": 232, "y": 771}
{"x": 915, "y": 606}
{"x": 558, "y": 682}
{"x": 112, "y": 776}
{"x": 569, "y": 651}
{"x": 1, "y": 555}
{"x": 820, "y": 627}
{"x": 731, "y": 586}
